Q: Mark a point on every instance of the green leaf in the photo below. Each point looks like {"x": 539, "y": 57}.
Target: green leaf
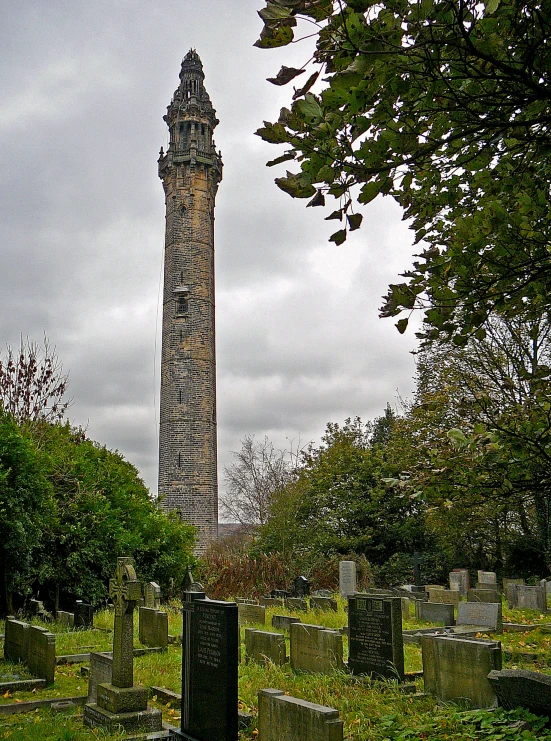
{"x": 338, "y": 237}
{"x": 401, "y": 325}
{"x": 492, "y": 6}
{"x": 317, "y": 200}
{"x": 270, "y": 38}
{"x": 278, "y": 160}
{"x": 272, "y": 133}
{"x": 354, "y": 221}
{"x": 295, "y": 185}
{"x": 309, "y": 107}
{"x": 274, "y": 12}
{"x": 335, "y": 215}
{"x": 369, "y": 191}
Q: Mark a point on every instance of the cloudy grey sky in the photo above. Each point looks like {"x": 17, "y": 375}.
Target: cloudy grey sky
{"x": 83, "y": 89}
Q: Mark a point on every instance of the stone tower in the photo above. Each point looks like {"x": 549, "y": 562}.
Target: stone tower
{"x": 190, "y": 170}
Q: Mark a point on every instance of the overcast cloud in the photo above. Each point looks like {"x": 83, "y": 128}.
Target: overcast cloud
{"x": 83, "y": 89}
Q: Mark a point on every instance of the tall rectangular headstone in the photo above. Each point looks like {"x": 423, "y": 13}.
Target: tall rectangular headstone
{"x": 84, "y": 614}
{"x": 487, "y": 578}
{"x": 347, "y": 578}
{"x": 101, "y": 672}
{"x": 459, "y": 581}
{"x": 152, "y": 595}
{"x": 41, "y": 659}
{"x": 153, "y": 627}
{"x": 210, "y": 645}
{"x": 375, "y": 643}
{"x": 16, "y": 640}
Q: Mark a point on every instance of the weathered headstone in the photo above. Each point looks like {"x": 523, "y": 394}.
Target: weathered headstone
{"x": 279, "y": 594}
{"x": 375, "y": 644}
{"x": 457, "y": 668}
{"x": 261, "y": 646}
{"x": 481, "y": 615}
{"x": 152, "y": 595}
{"x": 406, "y": 607}
{"x": 284, "y": 718}
{"x": 507, "y": 582}
{"x": 41, "y": 658}
{"x": 347, "y": 578}
{"x": 271, "y": 601}
{"x": 326, "y": 604}
{"x": 301, "y": 587}
{"x": 121, "y": 702}
{"x": 315, "y": 649}
{"x": 153, "y": 627}
{"x": 251, "y": 614}
{"x": 84, "y": 614}
{"x": 483, "y": 595}
{"x": 459, "y": 581}
{"x": 210, "y": 644}
{"x": 520, "y": 688}
{"x": 296, "y": 603}
{"x": 487, "y": 577}
{"x": 101, "y": 672}
{"x": 527, "y": 598}
{"x": 65, "y": 619}
{"x": 283, "y": 622}
{"x": 446, "y": 596}
{"x": 435, "y": 612}
{"x": 16, "y": 640}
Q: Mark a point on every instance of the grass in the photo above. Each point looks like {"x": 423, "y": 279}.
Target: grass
{"x": 371, "y": 710}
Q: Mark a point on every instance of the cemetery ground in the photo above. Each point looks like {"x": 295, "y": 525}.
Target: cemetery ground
{"x": 371, "y": 710}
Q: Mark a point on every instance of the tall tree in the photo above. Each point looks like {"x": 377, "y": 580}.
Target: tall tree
{"x": 256, "y": 474}
{"x": 446, "y": 106}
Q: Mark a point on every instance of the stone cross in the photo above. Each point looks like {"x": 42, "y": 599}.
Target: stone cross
{"x": 124, "y": 589}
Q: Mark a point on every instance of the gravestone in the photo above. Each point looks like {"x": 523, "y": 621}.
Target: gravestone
{"x": 406, "y": 607}
{"x": 486, "y": 616}
{"x": 283, "y": 622}
{"x": 153, "y": 627}
{"x": 459, "y": 581}
{"x": 508, "y": 582}
{"x": 251, "y": 614}
{"x": 210, "y": 645}
{"x": 434, "y": 612}
{"x": 152, "y": 595}
{"x": 445, "y": 596}
{"x": 284, "y": 718}
{"x": 41, "y": 657}
{"x": 484, "y": 595}
{"x": 36, "y": 607}
{"x": 456, "y": 669}
{"x": 326, "y": 604}
{"x": 271, "y": 601}
{"x": 301, "y": 587}
{"x": 261, "y": 646}
{"x": 121, "y": 702}
{"x": 101, "y": 672}
{"x": 520, "y": 688}
{"x": 16, "y": 640}
{"x": 279, "y": 594}
{"x": 84, "y": 614}
{"x": 296, "y": 603}
{"x": 65, "y": 619}
{"x": 527, "y": 598}
{"x": 315, "y": 649}
{"x": 347, "y": 578}
{"x": 375, "y": 643}
{"x": 486, "y": 580}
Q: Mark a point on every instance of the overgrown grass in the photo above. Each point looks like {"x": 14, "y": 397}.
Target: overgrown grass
{"x": 371, "y": 710}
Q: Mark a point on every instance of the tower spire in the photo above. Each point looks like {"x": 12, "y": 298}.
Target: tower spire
{"x": 190, "y": 170}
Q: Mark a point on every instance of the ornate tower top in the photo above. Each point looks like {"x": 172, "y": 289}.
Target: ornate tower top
{"x": 191, "y": 119}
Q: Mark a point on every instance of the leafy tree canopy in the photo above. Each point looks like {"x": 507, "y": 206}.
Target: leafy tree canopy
{"x": 444, "y": 105}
